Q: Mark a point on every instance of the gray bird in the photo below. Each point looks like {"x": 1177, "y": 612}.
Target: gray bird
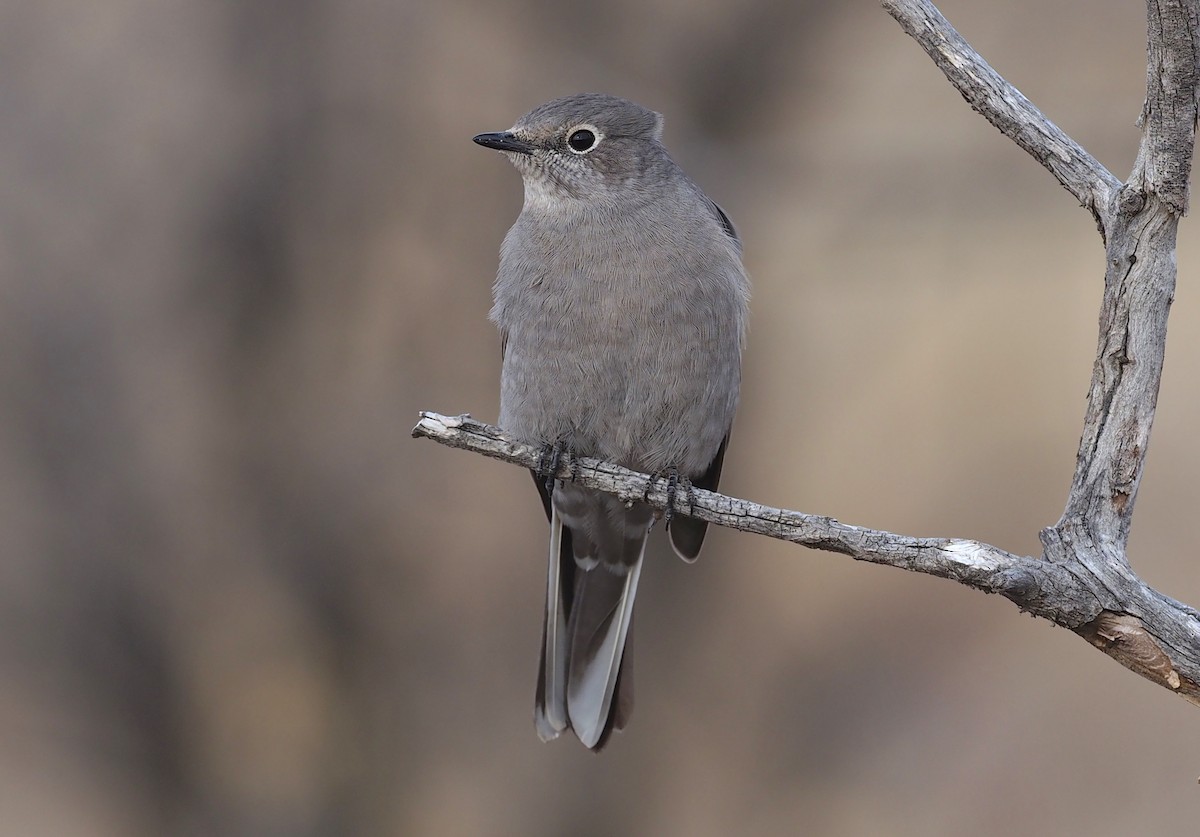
{"x": 621, "y": 302}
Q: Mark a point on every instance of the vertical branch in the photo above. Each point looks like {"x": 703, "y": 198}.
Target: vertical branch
{"x": 1168, "y": 119}
{"x": 1139, "y": 286}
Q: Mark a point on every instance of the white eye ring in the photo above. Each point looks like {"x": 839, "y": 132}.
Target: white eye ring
{"x": 584, "y": 138}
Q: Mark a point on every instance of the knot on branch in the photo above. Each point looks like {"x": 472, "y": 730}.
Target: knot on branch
{"x": 1125, "y": 639}
{"x": 1131, "y": 199}
{"x": 1019, "y": 586}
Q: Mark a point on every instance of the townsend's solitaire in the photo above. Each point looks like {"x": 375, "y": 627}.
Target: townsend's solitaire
{"x": 621, "y": 302}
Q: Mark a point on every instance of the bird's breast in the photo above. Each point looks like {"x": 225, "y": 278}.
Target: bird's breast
{"x": 627, "y": 346}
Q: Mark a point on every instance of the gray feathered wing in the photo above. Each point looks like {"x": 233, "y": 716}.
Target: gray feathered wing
{"x": 687, "y": 533}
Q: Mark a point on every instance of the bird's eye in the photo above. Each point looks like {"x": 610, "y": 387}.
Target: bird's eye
{"x": 582, "y": 140}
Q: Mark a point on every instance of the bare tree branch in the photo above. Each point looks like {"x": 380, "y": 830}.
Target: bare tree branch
{"x": 1051, "y": 590}
{"x": 975, "y": 564}
{"x": 1084, "y": 581}
{"x": 1138, "y": 221}
{"x": 1005, "y": 107}
{"x": 1168, "y": 119}
{"x": 1139, "y": 284}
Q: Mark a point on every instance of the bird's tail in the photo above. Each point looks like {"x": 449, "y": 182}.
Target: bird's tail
{"x": 585, "y": 683}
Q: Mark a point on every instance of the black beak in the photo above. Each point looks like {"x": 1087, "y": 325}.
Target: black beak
{"x": 505, "y": 141}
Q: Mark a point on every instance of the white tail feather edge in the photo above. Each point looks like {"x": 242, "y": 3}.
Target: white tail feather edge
{"x": 589, "y": 700}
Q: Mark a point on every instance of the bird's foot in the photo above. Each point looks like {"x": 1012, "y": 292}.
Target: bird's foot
{"x": 675, "y": 481}
{"x": 549, "y": 460}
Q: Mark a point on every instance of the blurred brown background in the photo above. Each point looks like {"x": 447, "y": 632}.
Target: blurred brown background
{"x": 244, "y": 243}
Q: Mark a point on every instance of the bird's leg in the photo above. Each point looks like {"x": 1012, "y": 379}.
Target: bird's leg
{"x": 691, "y": 495}
{"x": 650, "y": 486}
{"x": 672, "y": 487}
{"x": 550, "y": 458}
{"x": 675, "y": 481}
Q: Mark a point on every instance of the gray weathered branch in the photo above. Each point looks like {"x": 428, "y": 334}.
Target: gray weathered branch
{"x": 1005, "y": 107}
{"x": 1083, "y": 581}
{"x": 1044, "y": 588}
{"x": 1138, "y": 221}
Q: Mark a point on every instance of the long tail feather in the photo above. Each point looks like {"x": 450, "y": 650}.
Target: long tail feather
{"x": 550, "y": 710}
{"x": 598, "y": 645}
